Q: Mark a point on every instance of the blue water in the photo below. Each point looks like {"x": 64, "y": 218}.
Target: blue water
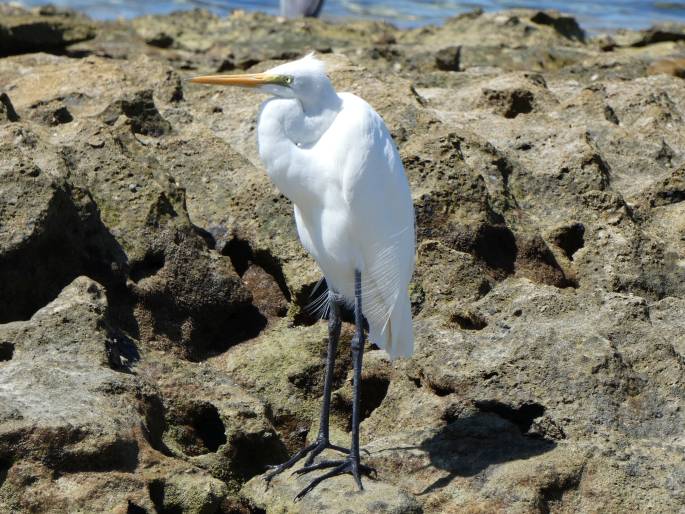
{"x": 593, "y": 16}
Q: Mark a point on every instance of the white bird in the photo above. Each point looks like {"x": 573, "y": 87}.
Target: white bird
{"x": 333, "y": 157}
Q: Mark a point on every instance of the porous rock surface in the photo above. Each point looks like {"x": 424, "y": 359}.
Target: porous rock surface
{"x": 156, "y": 352}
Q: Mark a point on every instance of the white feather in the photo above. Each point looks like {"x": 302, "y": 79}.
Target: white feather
{"x": 333, "y": 156}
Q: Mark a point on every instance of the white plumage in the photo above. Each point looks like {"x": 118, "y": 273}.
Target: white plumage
{"x": 333, "y": 157}
{"x": 352, "y": 202}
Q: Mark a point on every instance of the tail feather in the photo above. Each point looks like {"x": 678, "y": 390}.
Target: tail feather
{"x": 396, "y": 337}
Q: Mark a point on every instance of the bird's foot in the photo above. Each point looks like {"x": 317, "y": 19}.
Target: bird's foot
{"x": 349, "y": 465}
{"x": 314, "y": 449}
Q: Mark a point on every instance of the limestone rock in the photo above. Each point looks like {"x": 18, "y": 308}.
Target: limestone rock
{"x": 160, "y": 333}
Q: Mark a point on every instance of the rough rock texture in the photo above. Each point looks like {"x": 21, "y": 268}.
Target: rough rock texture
{"x": 156, "y": 349}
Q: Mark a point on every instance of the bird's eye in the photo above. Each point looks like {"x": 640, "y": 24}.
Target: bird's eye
{"x": 288, "y": 79}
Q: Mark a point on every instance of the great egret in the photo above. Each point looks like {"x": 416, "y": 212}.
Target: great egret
{"x": 294, "y": 8}
{"x": 333, "y": 157}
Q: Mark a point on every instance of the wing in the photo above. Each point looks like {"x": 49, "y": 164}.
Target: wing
{"x": 375, "y": 188}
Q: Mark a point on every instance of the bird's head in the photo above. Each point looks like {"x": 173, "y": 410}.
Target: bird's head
{"x": 303, "y": 79}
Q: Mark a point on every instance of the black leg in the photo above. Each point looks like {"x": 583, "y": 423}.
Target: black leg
{"x": 352, "y": 463}
{"x": 357, "y": 355}
{"x": 334, "y": 324}
{"x": 322, "y": 439}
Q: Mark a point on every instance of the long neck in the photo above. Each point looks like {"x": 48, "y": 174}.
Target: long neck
{"x": 287, "y": 128}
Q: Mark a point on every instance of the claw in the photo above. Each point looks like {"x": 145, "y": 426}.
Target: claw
{"x": 349, "y": 465}
{"x": 321, "y": 465}
{"x": 313, "y": 450}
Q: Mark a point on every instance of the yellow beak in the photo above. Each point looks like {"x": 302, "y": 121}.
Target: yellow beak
{"x": 247, "y": 80}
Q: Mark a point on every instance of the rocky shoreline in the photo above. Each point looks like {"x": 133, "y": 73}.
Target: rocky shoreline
{"x": 156, "y": 353}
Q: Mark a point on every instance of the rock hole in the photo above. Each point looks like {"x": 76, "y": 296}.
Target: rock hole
{"x": 200, "y": 430}
{"x": 468, "y": 320}
{"x": 537, "y": 262}
{"x": 139, "y": 107}
{"x": 373, "y": 392}
{"x": 149, "y": 266}
{"x": 522, "y": 416}
{"x": 132, "y": 508}
{"x": 6, "y": 351}
{"x": 610, "y": 115}
{"x": 254, "y": 452}
{"x": 291, "y": 429}
{"x": 521, "y": 103}
{"x": 60, "y": 116}
{"x": 244, "y": 324}
{"x": 439, "y": 389}
{"x": 510, "y": 103}
{"x": 570, "y": 239}
{"x": 4, "y": 470}
{"x": 209, "y": 427}
{"x": 496, "y": 247}
{"x": 240, "y": 253}
{"x": 242, "y": 256}
{"x": 505, "y": 169}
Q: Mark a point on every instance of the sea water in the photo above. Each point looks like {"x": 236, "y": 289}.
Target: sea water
{"x": 593, "y": 16}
